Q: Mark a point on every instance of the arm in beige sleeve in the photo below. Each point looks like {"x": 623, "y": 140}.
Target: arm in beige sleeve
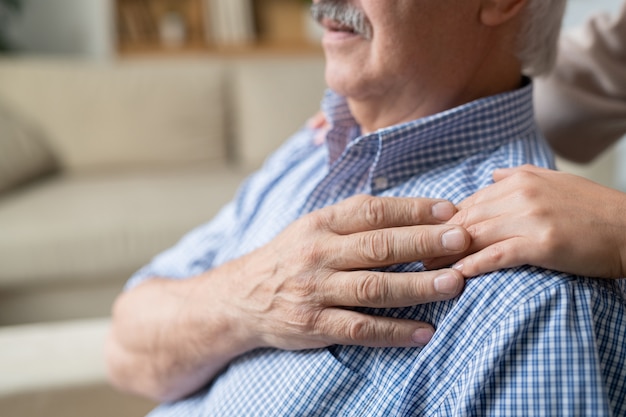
{"x": 581, "y": 105}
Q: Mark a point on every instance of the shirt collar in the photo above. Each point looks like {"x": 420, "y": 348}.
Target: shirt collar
{"x": 406, "y": 149}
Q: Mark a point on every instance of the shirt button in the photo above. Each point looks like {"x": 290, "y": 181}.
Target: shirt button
{"x": 380, "y": 183}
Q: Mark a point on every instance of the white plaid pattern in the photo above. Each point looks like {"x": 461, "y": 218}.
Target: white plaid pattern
{"x": 523, "y": 341}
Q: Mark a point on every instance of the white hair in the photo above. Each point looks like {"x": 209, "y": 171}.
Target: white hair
{"x": 538, "y": 37}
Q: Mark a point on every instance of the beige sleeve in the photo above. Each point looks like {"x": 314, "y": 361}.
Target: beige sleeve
{"x": 581, "y": 105}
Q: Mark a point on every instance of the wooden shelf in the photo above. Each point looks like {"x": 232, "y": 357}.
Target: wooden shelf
{"x": 279, "y": 28}
{"x": 264, "y": 48}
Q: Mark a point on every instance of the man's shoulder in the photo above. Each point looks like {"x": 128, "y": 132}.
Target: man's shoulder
{"x": 456, "y": 180}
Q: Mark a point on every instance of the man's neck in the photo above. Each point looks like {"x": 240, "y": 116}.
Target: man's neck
{"x": 374, "y": 113}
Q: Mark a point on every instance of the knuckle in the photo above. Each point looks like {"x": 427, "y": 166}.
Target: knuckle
{"x": 311, "y": 255}
{"x": 527, "y": 194}
{"x": 318, "y": 255}
{"x": 317, "y": 220}
{"x": 538, "y": 212}
{"x": 525, "y": 184}
{"x": 462, "y": 216}
{"x": 305, "y": 289}
{"x": 477, "y": 231}
{"x": 308, "y": 320}
{"x": 373, "y": 211}
{"x": 372, "y": 291}
{"x": 367, "y": 331}
{"x": 424, "y": 241}
{"x": 361, "y": 329}
{"x": 394, "y": 334}
{"x": 300, "y": 318}
{"x": 523, "y": 176}
{"x": 312, "y": 245}
{"x": 375, "y": 248}
{"x": 549, "y": 240}
{"x": 496, "y": 255}
{"x": 318, "y": 323}
{"x": 419, "y": 290}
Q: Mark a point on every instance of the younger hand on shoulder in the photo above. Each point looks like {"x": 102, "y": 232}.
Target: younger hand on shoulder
{"x": 545, "y": 218}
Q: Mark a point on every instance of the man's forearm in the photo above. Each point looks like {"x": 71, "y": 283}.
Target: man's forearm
{"x": 169, "y": 338}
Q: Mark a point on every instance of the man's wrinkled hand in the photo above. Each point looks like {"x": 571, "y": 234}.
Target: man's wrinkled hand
{"x": 299, "y": 291}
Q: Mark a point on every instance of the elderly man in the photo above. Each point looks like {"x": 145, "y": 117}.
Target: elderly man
{"x": 303, "y": 296}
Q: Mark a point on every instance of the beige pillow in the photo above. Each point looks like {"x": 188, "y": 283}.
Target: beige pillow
{"x": 24, "y": 155}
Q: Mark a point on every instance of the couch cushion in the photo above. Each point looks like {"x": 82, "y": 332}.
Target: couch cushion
{"x": 273, "y": 97}
{"x": 97, "y": 227}
{"x": 24, "y": 154}
{"x": 140, "y": 112}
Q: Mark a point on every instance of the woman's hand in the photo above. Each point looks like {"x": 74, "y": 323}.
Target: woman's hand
{"x": 545, "y": 218}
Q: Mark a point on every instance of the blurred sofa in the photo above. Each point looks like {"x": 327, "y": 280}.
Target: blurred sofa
{"x": 102, "y": 166}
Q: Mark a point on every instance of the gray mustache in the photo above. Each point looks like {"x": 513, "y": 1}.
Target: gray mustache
{"x": 345, "y": 14}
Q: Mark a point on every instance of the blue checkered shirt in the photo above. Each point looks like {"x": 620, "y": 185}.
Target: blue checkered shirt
{"x": 517, "y": 342}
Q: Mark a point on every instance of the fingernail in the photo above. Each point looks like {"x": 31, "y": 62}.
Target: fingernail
{"x": 446, "y": 284}
{"x": 422, "y": 336}
{"x": 453, "y": 240}
{"x": 443, "y": 210}
{"x": 458, "y": 266}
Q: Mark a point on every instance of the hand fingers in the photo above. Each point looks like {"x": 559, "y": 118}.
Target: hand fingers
{"x": 389, "y": 290}
{"x": 494, "y": 192}
{"x": 505, "y": 254}
{"x": 344, "y": 327}
{"x": 363, "y": 213}
{"x": 525, "y": 175}
{"x": 396, "y": 245}
{"x": 500, "y": 201}
{"x": 494, "y": 230}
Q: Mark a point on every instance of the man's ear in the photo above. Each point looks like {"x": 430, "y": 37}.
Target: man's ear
{"x": 497, "y": 12}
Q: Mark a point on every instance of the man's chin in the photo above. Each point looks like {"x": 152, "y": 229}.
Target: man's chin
{"x": 338, "y": 83}
{"x": 344, "y": 73}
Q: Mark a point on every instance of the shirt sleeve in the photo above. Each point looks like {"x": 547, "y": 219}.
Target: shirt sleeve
{"x": 203, "y": 248}
{"x": 582, "y": 103}
{"x": 559, "y": 353}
